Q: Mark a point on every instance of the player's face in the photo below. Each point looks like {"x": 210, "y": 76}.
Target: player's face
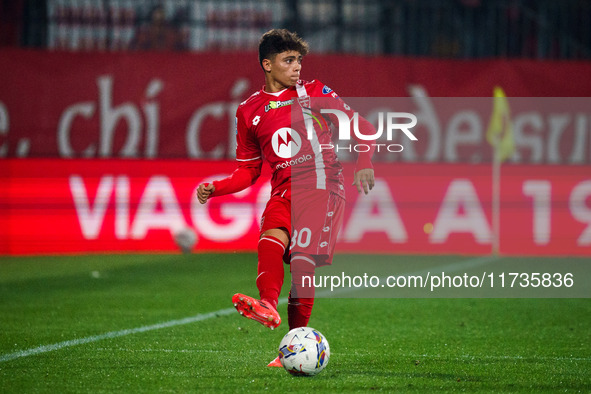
{"x": 283, "y": 70}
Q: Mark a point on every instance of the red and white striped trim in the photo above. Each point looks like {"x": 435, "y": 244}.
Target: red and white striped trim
{"x": 318, "y": 158}
{"x": 273, "y": 240}
{"x": 304, "y": 258}
{"x": 254, "y": 158}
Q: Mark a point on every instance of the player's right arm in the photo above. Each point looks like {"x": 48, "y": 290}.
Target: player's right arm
{"x": 204, "y": 191}
{"x": 250, "y": 162}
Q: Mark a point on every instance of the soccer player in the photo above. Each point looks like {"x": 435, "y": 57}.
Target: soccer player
{"x": 282, "y": 125}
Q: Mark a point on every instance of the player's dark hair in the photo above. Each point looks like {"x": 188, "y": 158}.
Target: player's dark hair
{"x": 276, "y": 41}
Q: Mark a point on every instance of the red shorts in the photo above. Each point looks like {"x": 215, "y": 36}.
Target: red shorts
{"x": 312, "y": 218}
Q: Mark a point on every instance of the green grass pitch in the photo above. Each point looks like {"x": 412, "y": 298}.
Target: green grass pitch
{"x": 164, "y": 323}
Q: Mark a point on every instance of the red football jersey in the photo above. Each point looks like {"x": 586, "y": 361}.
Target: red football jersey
{"x": 278, "y": 126}
{"x": 287, "y": 130}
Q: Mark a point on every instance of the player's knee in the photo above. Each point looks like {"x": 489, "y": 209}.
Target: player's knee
{"x": 278, "y": 233}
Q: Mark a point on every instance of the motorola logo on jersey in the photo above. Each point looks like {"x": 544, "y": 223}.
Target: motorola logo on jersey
{"x": 286, "y": 142}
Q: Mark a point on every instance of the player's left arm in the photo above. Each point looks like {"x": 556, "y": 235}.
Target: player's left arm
{"x": 364, "y": 178}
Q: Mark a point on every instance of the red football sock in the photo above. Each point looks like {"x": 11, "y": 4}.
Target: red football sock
{"x": 299, "y": 311}
{"x": 270, "y": 269}
{"x": 301, "y": 296}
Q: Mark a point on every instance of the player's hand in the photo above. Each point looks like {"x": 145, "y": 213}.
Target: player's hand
{"x": 364, "y": 180}
{"x": 204, "y": 191}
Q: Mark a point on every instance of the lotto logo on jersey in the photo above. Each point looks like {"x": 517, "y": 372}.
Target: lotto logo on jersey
{"x": 286, "y": 142}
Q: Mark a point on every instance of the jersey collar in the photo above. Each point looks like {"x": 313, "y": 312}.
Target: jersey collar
{"x": 276, "y": 94}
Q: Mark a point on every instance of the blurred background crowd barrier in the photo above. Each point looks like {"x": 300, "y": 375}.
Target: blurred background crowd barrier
{"x": 113, "y": 111}
{"x": 542, "y": 29}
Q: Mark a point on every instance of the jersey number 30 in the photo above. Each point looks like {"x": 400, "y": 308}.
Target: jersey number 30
{"x": 301, "y": 238}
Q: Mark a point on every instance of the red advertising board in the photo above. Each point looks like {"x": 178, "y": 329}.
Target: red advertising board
{"x": 182, "y": 105}
{"x": 76, "y": 206}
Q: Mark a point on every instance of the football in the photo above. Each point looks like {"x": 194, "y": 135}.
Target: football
{"x": 304, "y": 351}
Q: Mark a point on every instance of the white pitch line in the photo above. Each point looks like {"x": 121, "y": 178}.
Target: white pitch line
{"x": 115, "y": 334}
{"x": 193, "y": 319}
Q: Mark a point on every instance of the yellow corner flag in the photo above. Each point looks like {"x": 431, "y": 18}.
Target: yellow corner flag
{"x": 500, "y": 129}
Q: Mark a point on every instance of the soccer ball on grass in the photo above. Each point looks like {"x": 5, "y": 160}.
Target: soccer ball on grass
{"x": 304, "y": 351}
